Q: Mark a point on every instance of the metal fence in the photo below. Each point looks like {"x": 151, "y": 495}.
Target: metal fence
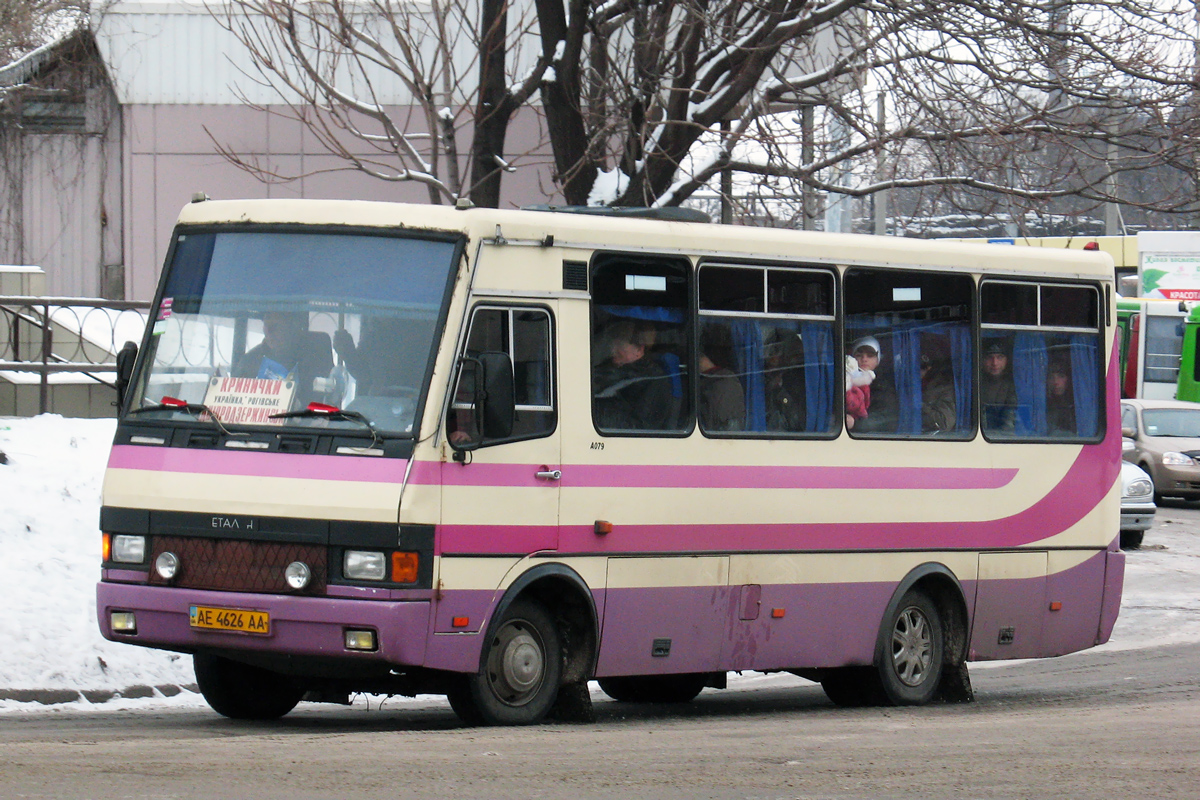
{"x": 49, "y": 335}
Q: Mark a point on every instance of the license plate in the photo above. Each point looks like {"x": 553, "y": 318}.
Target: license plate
{"x": 230, "y": 619}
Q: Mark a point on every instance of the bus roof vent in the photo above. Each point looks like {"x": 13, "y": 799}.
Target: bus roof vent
{"x": 669, "y": 213}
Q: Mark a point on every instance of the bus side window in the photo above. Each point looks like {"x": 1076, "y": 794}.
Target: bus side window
{"x": 1054, "y": 340}
{"x": 525, "y": 334}
{"x": 919, "y": 324}
{"x": 640, "y": 345}
{"x": 767, "y": 361}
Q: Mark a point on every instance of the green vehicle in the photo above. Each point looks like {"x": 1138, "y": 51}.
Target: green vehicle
{"x": 1189, "y": 365}
{"x": 1152, "y": 347}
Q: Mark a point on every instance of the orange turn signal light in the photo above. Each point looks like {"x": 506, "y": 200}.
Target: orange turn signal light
{"x": 1056, "y": 606}
{"x": 404, "y": 567}
{"x": 602, "y": 527}
{"x": 460, "y": 622}
{"x": 106, "y": 547}
{"x": 777, "y": 613}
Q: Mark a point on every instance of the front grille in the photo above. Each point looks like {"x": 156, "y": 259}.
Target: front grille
{"x": 227, "y": 565}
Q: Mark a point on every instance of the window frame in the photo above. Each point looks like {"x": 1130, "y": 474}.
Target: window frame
{"x": 826, "y": 270}
{"x": 972, "y": 307}
{"x": 1103, "y": 321}
{"x": 603, "y": 259}
{"x": 510, "y": 309}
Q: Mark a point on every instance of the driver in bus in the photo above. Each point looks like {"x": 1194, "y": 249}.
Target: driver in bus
{"x": 288, "y": 351}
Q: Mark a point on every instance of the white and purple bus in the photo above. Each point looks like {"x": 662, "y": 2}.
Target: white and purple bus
{"x": 395, "y": 449}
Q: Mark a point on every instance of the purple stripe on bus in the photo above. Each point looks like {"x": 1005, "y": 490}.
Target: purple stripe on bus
{"x": 669, "y": 476}
{"x": 265, "y": 465}
{"x": 1085, "y": 484}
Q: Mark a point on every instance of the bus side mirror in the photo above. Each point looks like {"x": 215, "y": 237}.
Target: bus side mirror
{"x": 125, "y": 359}
{"x": 498, "y": 401}
{"x": 484, "y": 402}
{"x": 1128, "y": 433}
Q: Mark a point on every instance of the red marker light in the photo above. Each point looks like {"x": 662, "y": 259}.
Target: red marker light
{"x": 1092, "y": 246}
{"x": 173, "y": 402}
{"x": 322, "y": 408}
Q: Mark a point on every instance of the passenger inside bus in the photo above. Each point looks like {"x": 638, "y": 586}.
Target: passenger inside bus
{"x": 865, "y": 352}
{"x": 997, "y": 392}
{"x": 288, "y": 351}
{"x": 1060, "y": 399}
{"x": 938, "y": 405}
{"x": 784, "y": 386}
{"x": 630, "y": 391}
{"x": 722, "y": 399}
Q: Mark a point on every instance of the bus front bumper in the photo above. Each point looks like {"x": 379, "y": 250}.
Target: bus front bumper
{"x": 297, "y": 626}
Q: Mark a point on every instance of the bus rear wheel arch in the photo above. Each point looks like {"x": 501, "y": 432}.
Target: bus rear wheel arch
{"x": 921, "y": 650}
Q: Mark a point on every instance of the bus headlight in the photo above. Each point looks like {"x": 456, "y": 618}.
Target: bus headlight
{"x": 364, "y": 565}
{"x": 297, "y": 575}
{"x": 129, "y": 549}
{"x": 166, "y": 565}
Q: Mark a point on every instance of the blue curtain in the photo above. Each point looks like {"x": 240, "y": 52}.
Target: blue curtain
{"x": 964, "y": 374}
{"x": 819, "y": 375}
{"x": 1029, "y": 376}
{"x": 748, "y": 355}
{"x": 906, "y": 369}
{"x": 1085, "y": 383}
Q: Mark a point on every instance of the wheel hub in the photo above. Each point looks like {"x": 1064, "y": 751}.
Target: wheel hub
{"x": 912, "y": 647}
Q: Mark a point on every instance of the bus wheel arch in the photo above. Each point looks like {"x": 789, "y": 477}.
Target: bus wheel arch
{"x": 936, "y": 585}
{"x": 547, "y": 613}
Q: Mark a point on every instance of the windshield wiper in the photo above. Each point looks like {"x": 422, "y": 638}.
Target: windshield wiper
{"x": 323, "y": 411}
{"x": 195, "y": 409}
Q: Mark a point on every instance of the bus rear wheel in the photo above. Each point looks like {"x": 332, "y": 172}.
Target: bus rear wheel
{"x": 910, "y": 665}
{"x": 241, "y": 691}
{"x": 522, "y": 668}
{"x": 654, "y": 688}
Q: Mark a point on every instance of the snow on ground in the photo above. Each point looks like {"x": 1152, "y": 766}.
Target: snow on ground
{"x": 49, "y": 535}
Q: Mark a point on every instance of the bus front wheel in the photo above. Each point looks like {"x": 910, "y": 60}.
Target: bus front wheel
{"x": 240, "y": 691}
{"x": 522, "y": 667}
{"x": 911, "y": 662}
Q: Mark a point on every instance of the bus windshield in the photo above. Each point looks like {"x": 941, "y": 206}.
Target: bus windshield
{"x": 254, "y": 325}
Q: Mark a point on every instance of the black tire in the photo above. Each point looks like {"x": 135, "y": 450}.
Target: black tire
{"x": 853, "y": 687}
{"x": 520, "y": 674}
{"x": 654, "y": 688}
{"x": 240, "y": 691}
{"x": 910, "y": 661}
{"x": 1131, "y": 540}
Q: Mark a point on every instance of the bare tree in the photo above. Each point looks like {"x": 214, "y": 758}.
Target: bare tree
{"x": 27, "y": 24}
{"x": 1016, "y": 105}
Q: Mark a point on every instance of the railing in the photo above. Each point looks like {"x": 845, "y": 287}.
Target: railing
{"x": 50, "y": 335}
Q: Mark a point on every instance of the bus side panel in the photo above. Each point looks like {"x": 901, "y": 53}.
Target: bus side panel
{"x": 664, "y": 615}
{"x": 1010, "y": 601}
{"x": 808, "y": 625}
{"x": 1079, "y": 589}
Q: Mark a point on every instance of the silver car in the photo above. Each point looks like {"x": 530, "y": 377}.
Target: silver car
{"x": 1137, "y": 504}
{"x": 1163, "y": 438}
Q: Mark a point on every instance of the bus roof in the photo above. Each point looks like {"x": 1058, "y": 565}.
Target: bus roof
{"x": 633, "y": 234}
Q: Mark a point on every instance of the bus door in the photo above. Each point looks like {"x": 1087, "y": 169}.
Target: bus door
{"x": 500, "y": 499}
